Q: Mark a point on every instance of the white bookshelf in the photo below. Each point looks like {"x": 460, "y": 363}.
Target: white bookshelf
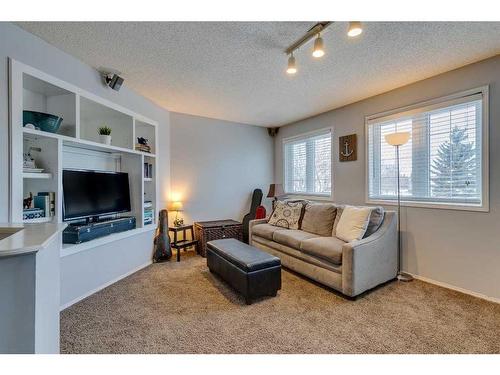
{"x": 76, "y": 144}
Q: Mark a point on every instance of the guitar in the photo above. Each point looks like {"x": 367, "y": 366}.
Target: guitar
{"x": 163, "y": 250}
{"x": 256, "y": 201}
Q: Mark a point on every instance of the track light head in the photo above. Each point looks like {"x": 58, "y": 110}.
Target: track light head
{"x": 318, "y": 50}
{"x": 292, "y": 67}
{"x": 355, "y": 29}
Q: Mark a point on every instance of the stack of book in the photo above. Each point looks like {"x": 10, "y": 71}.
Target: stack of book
{"x": 143, "y": 148}
{"x": 148, "y": 170}
{"x": 148, "y": 212}
{"x": 42, "y": 205}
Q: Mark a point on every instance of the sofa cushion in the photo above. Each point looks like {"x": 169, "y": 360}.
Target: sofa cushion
{"x": 353, "y": 223}
{"x": 376, "y": 219}
{"x": 329, "y": 248}
{"x": 265, "y": 230}
{"x": 292, "y": 237}
{"x": 287, "y": 215}
{"x": 318, "y": 218}
{"x": 298, "y": 254}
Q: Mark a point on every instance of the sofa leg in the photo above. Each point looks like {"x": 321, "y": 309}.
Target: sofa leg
{"x": 248, "y": 300}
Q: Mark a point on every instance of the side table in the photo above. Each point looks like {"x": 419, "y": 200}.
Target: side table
{"x": 178, "y": 244}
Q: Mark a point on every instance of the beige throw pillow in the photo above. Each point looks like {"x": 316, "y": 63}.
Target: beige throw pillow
{"x": 318, "y": 218}
{"x": 286, "y": 215}
{"x": 353, "y": 223}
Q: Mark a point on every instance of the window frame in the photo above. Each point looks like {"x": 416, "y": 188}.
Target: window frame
{"x": 312, "y": 133}
{"x": 428, "y": 203}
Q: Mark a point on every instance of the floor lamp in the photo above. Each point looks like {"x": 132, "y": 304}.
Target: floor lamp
{"x": 396, "y": 140}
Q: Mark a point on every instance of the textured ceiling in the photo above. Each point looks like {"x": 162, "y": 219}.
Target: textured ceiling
{"x": 236, "y": 70}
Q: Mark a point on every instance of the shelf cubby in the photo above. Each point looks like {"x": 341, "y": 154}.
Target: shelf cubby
{"x": 150, "y": 185}
{"x": 41, "y": 96}
{"x": 148, "y": 131}
{"x": 45, "y": 152}
{"x": 94, "y": 115}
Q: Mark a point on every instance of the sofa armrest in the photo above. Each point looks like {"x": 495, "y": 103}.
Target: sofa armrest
{"x": 251, "y": 224}
{"x": 372, "y": 260}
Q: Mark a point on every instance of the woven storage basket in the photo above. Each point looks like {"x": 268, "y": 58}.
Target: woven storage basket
{"x": 205, "y": 231}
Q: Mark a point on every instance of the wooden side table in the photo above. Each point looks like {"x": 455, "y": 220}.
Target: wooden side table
{"x": 179, "y": 244}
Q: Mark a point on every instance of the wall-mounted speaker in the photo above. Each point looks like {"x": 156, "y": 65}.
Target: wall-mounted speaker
{"x": 272, "y": 131}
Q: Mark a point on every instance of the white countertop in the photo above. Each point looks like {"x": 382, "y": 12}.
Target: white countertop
{"x": 26, "y": 238}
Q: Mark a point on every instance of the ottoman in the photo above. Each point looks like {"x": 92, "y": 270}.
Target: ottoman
{"x": 252, "y": 272}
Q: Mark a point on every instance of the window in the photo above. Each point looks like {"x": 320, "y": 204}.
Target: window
{"x": 308, "y": 164}
{"x": 443, "y": 163}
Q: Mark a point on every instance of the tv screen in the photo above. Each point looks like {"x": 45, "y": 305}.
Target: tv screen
{"x": 91, "y": 193}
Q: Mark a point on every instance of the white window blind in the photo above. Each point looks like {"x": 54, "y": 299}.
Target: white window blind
{"x": 442, "y": 161}
{"x": 308, "y": 164}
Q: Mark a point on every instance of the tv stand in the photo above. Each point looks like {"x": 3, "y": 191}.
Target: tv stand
{"x": 77, "y": 233}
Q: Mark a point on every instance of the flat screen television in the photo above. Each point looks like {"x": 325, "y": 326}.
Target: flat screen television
{"x": 90, "y": 194}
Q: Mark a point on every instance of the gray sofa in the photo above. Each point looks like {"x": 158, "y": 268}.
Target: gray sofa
{"x": 314, "y": 250}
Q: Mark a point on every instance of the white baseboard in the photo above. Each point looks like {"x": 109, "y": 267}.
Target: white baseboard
{"x": 100, "y": 287}
{"x": 456, "y": 288}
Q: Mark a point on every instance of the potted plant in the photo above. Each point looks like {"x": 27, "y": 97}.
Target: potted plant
{"x": 105, "y": 134}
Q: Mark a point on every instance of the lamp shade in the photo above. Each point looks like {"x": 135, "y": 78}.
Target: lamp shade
{"x": 275, "y": 190}
{"x": 397, "y": 139}
{"x": 175, "y": 206}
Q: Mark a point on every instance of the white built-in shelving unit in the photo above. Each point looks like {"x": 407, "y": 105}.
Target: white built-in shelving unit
{"x": 76, "y": 145}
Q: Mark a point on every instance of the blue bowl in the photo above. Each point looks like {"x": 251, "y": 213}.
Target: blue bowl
{"x": 44, "y": 121}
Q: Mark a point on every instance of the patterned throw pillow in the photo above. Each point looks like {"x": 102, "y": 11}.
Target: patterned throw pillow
{"x": 286, "y": 215}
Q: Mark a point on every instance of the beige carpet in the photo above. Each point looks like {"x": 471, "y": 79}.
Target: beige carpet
{"x": 182, "y": 308}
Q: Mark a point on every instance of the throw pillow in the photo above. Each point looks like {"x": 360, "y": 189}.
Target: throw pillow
{"x": 286, "y": 215}
{"x": 376, "y": 219}
{"x": 318, "y": 218}
{"x": 353, "y": 223}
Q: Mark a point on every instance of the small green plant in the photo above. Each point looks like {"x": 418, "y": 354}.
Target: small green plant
{"x": 104, "y": 130}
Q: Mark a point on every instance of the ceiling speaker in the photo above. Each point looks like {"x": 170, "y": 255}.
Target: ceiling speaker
{"x": 272, "y": 131}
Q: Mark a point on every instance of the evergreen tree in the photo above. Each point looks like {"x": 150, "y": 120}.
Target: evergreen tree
{"x": 454, "y": 169}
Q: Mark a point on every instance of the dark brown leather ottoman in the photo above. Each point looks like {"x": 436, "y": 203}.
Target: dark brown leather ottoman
{"x": 252, "y": 272}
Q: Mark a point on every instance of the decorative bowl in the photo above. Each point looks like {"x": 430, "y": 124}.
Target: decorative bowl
{"x": 44, "y": 121}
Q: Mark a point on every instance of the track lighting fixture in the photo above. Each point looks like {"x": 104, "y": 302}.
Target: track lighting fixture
{"x": 292, "y": 68}
{"x": 355, "y": 29}
{"x": 318, "y": 50}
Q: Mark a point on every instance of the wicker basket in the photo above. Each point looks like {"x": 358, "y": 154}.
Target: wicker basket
{"x": 205, "y": 231}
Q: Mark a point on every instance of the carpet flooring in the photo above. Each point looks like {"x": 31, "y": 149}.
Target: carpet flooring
{"x": 183, "y": 308}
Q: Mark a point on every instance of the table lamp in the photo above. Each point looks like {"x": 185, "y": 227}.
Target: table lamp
{"x": 399, "y": 139}
{"x": 275, "y": 191}
{"x": 177, "y": 206}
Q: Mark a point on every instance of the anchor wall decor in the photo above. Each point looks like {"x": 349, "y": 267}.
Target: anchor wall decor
{"x": 348, "y": 148}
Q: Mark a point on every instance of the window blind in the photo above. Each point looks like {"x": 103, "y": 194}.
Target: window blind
{"x": 442, "y": 161}
{"x": 307, "y": 164}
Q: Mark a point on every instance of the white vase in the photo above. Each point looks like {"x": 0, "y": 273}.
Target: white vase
{"x": 106, "y": 139}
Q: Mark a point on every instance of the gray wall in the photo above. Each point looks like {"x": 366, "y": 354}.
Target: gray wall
{"x": 459, "y": 248}
{"x": 216, "y": 165}
{"x": 31, "y": 50}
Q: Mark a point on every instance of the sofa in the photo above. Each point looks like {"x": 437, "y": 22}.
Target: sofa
{"x": 315, "y": 251}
